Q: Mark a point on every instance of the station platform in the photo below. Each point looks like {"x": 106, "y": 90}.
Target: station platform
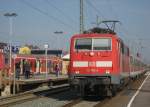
{"x": 38, "y": 78}
{"x": 35, "y": 81}
{"x": 142, "y": 99}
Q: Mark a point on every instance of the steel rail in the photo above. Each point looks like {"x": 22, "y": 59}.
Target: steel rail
{"x": 74, "y": 102}
{"x": 31, "y": 95}
{"x": 104, "y": 100}
{"x": 132, "y": 83}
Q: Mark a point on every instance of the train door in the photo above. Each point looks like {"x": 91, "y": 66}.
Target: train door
{"x": 33, "y": 65}
{"x": 120, "y": 56}
{"x": 1, "y": 60}
{"x": 43, "y": 66}
{"x": 37, "y": 66}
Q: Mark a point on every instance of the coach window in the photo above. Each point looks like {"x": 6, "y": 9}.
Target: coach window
{"x": 131, "y": 59}
{"x": 125, "y": 50}
{"x": 122, "y": 48}
{"x": 102, "y": 44}
{"x": 128, "y": 51}
{"x": 83, "y": 44}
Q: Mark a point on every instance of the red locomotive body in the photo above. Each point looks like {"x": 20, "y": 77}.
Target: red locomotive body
{"x": 106, "y": 57}
{"x": 99, "y": 63}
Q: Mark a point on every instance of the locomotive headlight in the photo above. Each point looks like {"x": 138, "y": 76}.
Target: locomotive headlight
{"x": 91, "y": 53}
{"x": 77, "y": 72}
{"x": 107, "y": 71}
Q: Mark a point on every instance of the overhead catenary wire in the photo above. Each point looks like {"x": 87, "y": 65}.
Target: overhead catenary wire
{"x": 101, "y": 15}
{"x": 113, "y": 12}
{"x": 124, "y": 32}
{"x": 87, "y": 15}
{"x": 60, "y": 11}
{"x": 98, "y": 11}
{"x": 46, "y": 14}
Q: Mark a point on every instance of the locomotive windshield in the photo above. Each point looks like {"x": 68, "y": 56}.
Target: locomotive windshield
{"x": 83, "y": 44}
{"x": 93, "y": 44}
{"x": 101, "y": 44}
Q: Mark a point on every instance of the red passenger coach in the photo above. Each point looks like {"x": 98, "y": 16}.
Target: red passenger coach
{"x": 2, "y": 60}
{"x": 37, "y": 63}
{"x": 99, "y": 63}
{"x": 4, "y": 65}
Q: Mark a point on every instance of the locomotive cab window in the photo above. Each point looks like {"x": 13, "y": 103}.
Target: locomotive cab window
{"x": 101, "y": 44}
{"x": 93, "y": 44}
{"x": 83, "y": 44}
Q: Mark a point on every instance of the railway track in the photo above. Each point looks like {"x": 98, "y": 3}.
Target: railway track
{"x": 70, "y": 99}
{"x": 31, "y": 95}
{"x": 122, "y": 96}
{"x": 106, "y": 101}
{"x": 74, "y": 102}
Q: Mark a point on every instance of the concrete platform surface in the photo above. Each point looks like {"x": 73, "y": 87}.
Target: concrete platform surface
{"x": 143, "y": 97}
{"x": 39, "y": 78}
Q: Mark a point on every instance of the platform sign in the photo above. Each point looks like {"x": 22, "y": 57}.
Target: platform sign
{"x": 15, "y": 49}
{"x": 6, "y": 49}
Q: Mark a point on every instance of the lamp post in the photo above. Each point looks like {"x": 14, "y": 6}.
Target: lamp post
{"x": 10, "y": 16}
{"x": 46, "y": 47}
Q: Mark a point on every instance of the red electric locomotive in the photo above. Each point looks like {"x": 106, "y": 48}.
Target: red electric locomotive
{"x": 99, "y": 62}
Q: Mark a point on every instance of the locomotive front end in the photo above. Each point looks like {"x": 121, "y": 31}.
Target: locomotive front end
{"x": 91, "y": 62}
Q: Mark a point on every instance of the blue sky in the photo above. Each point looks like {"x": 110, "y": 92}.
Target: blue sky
{"x": 37, "y": 21}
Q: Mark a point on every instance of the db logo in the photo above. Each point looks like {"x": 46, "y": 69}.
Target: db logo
{"x": 92, "y": 64}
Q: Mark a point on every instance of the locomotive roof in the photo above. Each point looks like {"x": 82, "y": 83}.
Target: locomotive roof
{"x": 95, "y": 35}
{"x": 100, "y": 30}
{"x": 97, "y": 32}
